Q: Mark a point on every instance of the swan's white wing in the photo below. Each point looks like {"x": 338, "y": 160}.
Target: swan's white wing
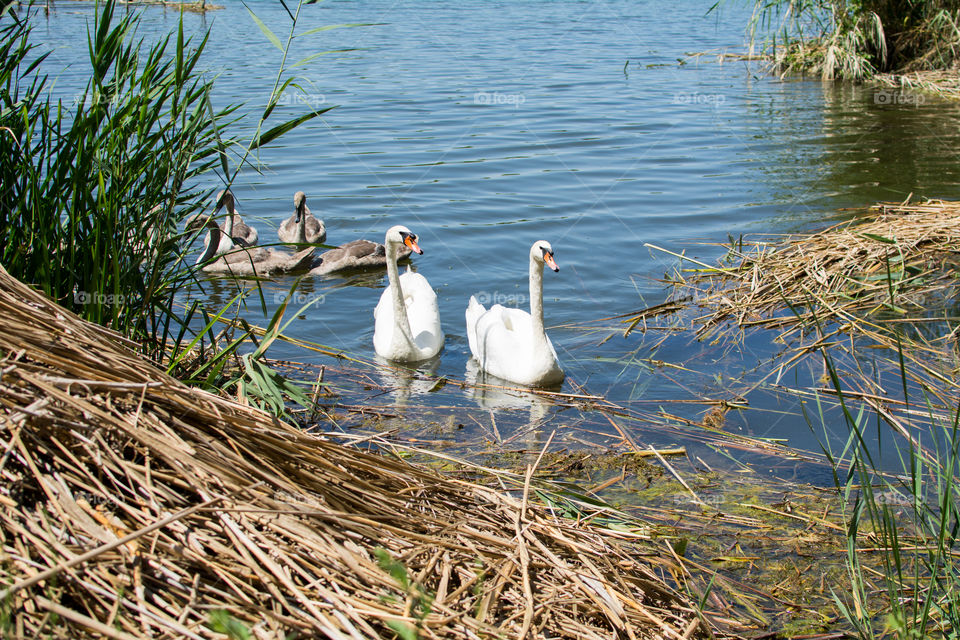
{"x": 423, "y": 312}
{"x": 505, "y": 347}
{"x": 503, "y": 341}
{"x": 474, "y": 312}
{"x": 384, "y": 324}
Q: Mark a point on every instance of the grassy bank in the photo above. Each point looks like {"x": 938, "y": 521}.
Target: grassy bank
{"x": 857, "y": 40}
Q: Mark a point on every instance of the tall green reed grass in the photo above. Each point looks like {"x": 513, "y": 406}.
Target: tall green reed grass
{"x": 94, "y": 192}
{"x": 908, "y": 518}
{"x": 854, "y": 39}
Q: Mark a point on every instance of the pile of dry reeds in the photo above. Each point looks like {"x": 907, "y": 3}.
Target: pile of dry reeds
{"x": 134, "y": 506}
{"x": 893, "y": 260}
{"x": 945, "y": 83}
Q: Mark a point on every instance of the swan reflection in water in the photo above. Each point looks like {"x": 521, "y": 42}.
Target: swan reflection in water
{"x": 497, "y": 395}
{"x": 512, "y": 418}
{"x": 403, "y": 383}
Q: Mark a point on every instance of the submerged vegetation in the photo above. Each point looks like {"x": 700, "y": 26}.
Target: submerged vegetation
{"x": 855, "y": 40}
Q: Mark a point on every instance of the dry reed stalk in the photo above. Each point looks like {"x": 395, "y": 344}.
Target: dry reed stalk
{"x": 860, "y": 293}
{"x": 840, "y": 271}
{"x": 943, "y": 83}
{"x": 134, "y": 506}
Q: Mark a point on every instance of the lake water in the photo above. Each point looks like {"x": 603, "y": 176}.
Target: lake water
{"x": 484, "y": 125}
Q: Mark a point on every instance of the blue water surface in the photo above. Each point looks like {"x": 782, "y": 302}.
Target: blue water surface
{"x": 484, "y": 125}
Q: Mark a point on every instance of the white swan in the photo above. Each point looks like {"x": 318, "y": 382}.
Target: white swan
{"x": 302, "y": 227}
{"x": 407, "y": 319}
{"x": 234, "y": 226}
{"x": 511, "y": 343}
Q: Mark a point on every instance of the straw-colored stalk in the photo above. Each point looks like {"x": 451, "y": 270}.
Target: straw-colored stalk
{"x": 134, "y": 506}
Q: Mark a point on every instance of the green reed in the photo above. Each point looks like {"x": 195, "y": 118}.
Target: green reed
{"x": 94, "y": 192}
{"x": 856, "y": 39}
{"x": 909, "y": 519}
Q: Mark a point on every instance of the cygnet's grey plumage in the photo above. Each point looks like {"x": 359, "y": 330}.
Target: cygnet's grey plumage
{"x": 302, "y": 227}
{"x": 222, "y": 256}
{"x": 242, "y": 233}
{"x": 257, "y": 261}
{"x": 357, "y": 254}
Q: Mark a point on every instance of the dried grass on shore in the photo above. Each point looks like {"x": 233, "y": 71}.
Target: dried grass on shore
{"x": 896, "y": 259}
{"x": 133, "y": 507}
{"x": 944, "y": 83}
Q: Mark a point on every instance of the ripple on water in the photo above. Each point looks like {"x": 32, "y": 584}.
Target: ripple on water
{"x": 484, "y": 125}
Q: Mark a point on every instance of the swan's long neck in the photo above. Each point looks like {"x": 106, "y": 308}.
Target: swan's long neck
{"x": 228, "y": 225}
{"x": 400, "y": 318}
{"x": 211, "y": 243}
{"x": 302, "y": 227}
{"x": 536, "y": 300}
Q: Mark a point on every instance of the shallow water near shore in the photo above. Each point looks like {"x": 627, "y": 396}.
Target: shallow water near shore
{"x": 484, "y": 126}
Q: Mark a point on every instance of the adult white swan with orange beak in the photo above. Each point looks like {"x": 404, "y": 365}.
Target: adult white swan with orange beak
{"x": 407, "y": 318}
{"x": 511, "y": 343}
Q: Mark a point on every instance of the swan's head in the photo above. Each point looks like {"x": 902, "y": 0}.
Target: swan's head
{"x": 200, "y": 221}
{"x": 401, "y": 235}
{"x": 542, "y": 252}
{"x": 300, "y": 202}
{"x": 225, "y": 199}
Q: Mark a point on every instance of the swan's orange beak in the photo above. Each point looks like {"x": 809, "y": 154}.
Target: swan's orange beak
{"x": 411, "y": 241}
{"x": 548, "y": 258}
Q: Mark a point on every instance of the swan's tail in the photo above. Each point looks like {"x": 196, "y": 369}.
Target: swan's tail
{"x": 474, "y": 311}
{"x": 302, "y": 260}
